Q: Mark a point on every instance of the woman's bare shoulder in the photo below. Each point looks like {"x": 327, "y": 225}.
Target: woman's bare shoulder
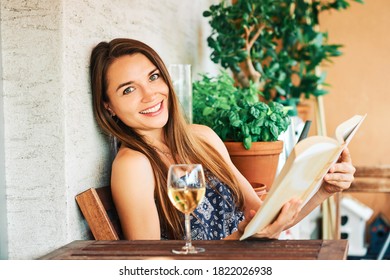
{"x": 129, "y": 166}
{"x": 203, "y": 131}
{"x": 129, "y": 156}
{"x": 208, "y": 135}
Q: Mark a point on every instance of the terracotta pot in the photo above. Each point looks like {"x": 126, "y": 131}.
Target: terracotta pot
{"x": 258, "y": 164}
{"x": 260, "y": 189}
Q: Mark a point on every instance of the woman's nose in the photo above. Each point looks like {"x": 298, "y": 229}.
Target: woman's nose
{"x": 149, "y": 93}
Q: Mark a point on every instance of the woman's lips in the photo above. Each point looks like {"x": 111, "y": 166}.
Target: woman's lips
{"x": 152, "y": 110}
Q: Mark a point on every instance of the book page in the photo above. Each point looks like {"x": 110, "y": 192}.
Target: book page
{"x": 302, "y": 174}
{"x": 345, "y": 131}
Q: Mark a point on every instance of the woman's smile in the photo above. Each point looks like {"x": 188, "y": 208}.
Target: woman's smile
{"x": 152, "y": 111}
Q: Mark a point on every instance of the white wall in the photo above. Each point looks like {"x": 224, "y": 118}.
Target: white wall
{"x": 3, "y": 210}
{"x": 52, "y": 147}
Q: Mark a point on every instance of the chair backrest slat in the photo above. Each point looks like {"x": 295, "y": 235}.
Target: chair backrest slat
{"x": 99, "y": 211}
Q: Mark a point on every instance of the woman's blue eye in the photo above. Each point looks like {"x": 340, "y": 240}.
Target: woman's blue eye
{"x": 154, "y": 77}
{"x": 128, "y": 90}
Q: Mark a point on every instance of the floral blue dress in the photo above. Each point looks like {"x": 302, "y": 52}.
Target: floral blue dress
{"x": 216, "y": 216}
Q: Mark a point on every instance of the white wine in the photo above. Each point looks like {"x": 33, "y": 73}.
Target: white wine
{"x": 187, "y": 199}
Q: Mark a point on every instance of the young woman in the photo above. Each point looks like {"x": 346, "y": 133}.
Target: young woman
{"x": 134, "y": 101}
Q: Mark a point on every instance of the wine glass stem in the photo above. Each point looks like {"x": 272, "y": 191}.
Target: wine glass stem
{"x": 188, "y": 231}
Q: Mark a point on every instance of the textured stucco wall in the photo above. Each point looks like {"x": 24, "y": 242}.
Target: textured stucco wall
{"x": 3, "y": 209}
{"x": 52, "y": 147}
{"x": 33, "y": 126}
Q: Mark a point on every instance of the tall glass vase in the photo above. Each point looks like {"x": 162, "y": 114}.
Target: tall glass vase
{"x": 182, "y": 83}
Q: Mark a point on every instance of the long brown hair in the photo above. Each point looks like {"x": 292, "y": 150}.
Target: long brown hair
{"x": 187, "y": 147}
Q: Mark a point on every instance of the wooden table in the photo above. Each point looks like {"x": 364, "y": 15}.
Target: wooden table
{"x": 254, "y": 249}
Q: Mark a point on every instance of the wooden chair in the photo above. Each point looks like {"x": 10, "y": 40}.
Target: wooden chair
{"x": 100, "y": 213}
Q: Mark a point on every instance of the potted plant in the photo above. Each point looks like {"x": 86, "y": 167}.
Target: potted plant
{"x": 273, "y": 44}
{"x": 249, "y": 128}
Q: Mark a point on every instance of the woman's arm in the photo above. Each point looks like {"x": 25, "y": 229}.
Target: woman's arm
{"x": 132, "y": 185}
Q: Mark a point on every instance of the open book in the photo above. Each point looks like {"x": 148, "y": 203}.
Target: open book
{"x": 303, "y": 172}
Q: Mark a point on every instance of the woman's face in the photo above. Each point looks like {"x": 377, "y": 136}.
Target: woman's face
{"x": 138, "y": 95}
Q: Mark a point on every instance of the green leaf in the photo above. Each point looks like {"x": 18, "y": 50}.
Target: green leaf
{"x": 247, "y": 142}
{"x": 236, "y": 123}
{"x": 207, "y": 111}
{"x": 255, "y": 112}
{"x": 274, "y": 131}
{"x": 280, "y": 90}
{"x": 206, "y": 14}
{"x": 255, "y": 129}
{"x": 245, "y": 131}
{"x": 224, "y": 106}
{"x": 266, "y": 135}
{"x": 319, "y": 92}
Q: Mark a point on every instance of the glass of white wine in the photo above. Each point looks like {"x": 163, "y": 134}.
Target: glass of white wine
{"x": 186, "y": 189}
